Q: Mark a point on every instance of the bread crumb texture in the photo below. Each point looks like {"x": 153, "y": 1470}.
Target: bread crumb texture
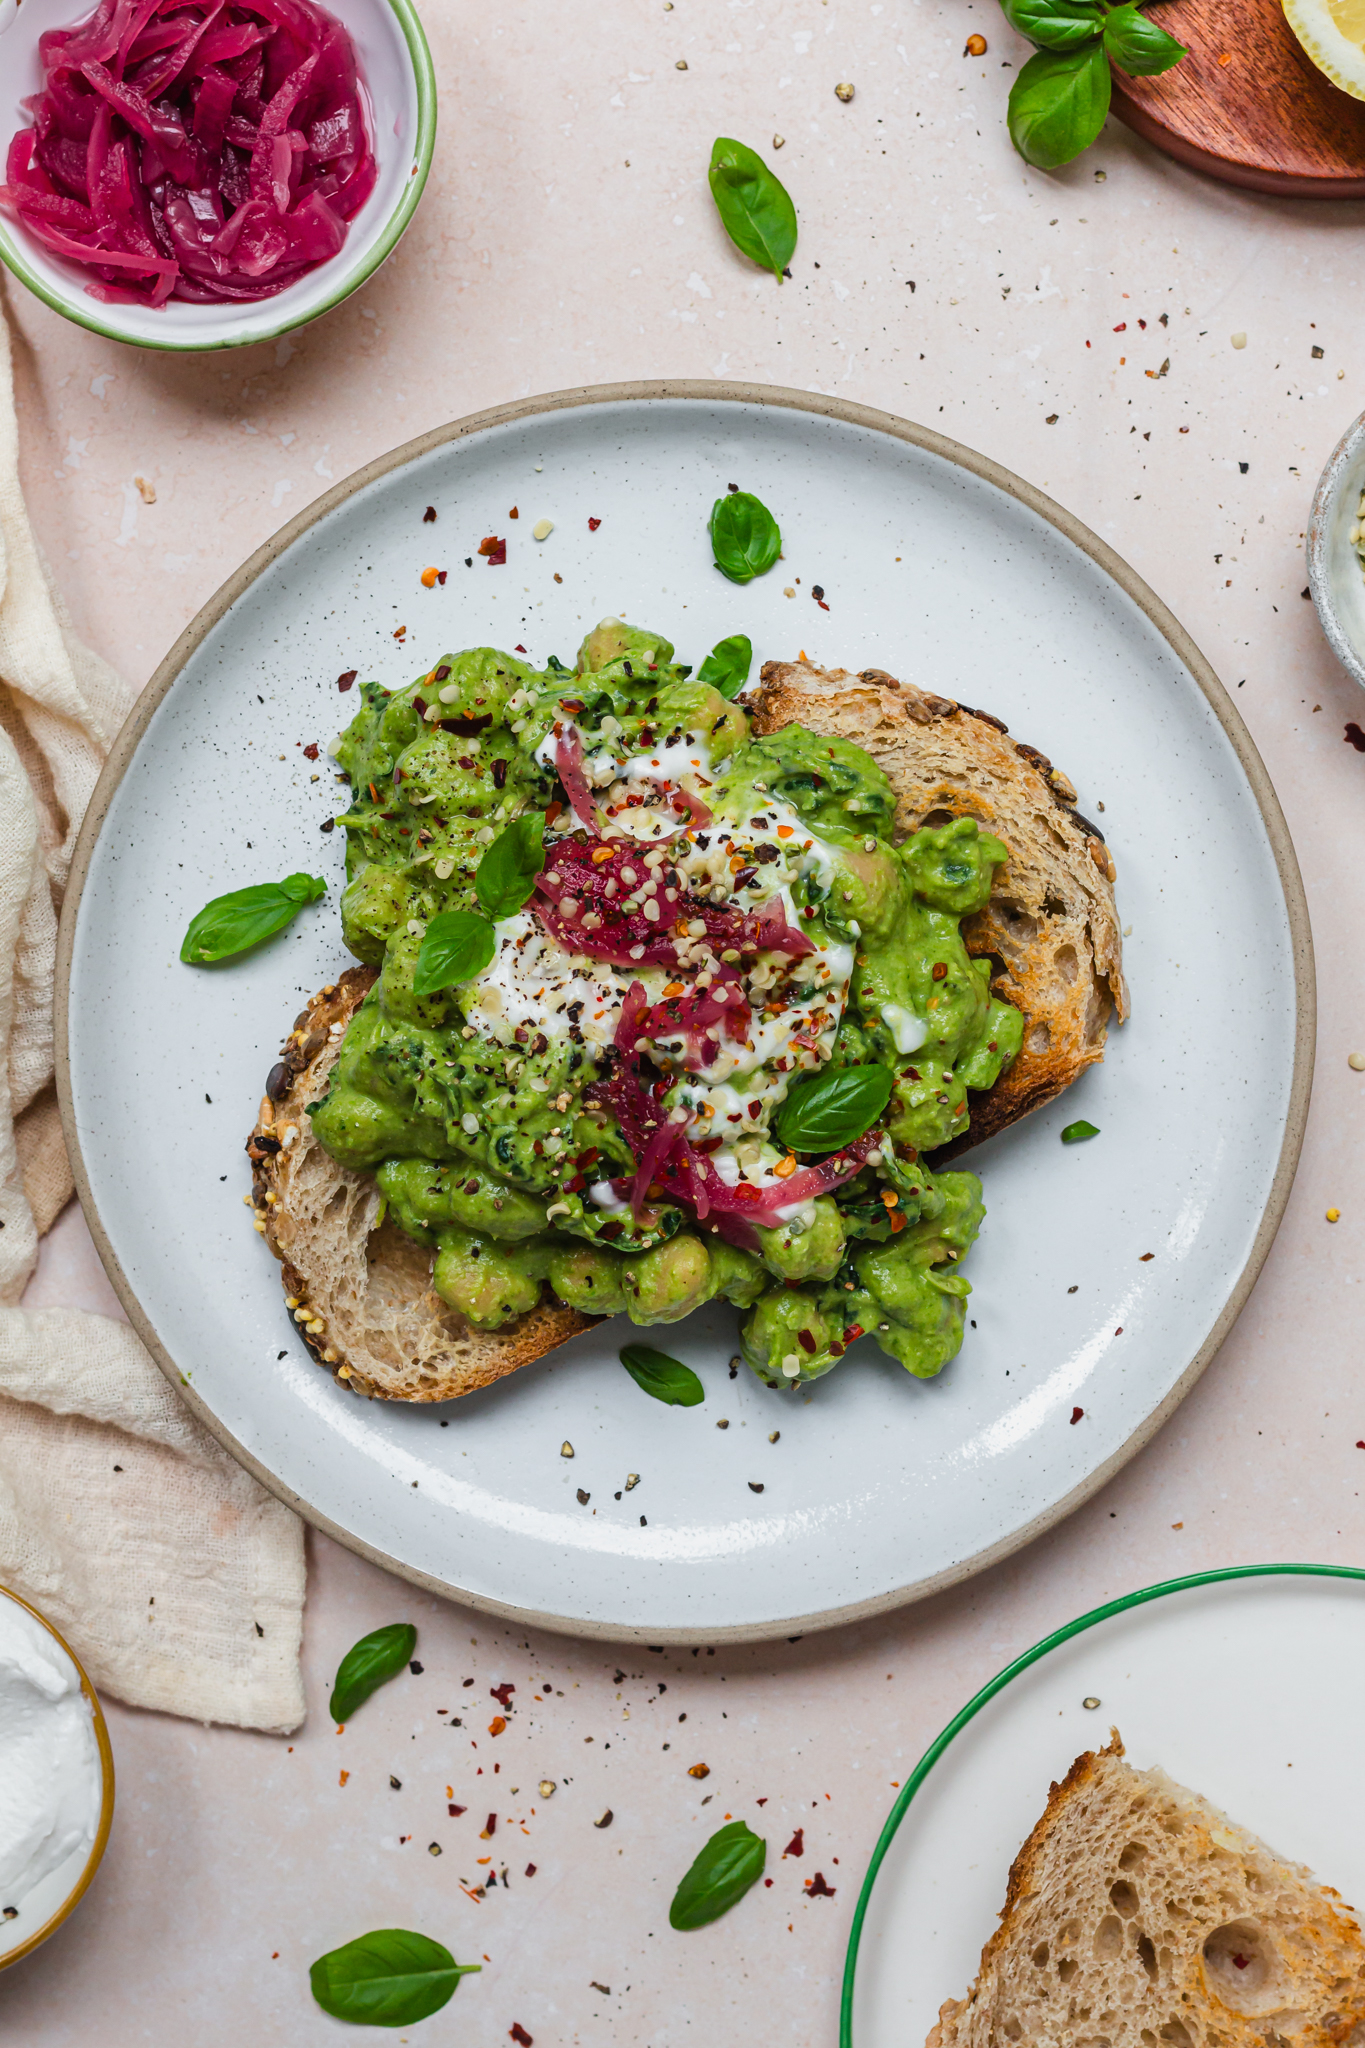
{"x": 1139, "y": 1916}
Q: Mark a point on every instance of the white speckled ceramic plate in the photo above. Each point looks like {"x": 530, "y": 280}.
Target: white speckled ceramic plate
{"x": 1169, "y": 1668}
{"x": 936, "y": 565}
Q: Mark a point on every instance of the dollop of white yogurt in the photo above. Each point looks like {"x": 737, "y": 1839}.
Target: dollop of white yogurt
{"x": 50, "y": 1777}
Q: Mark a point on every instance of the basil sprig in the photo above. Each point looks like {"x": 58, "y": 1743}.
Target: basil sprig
{"x": 1058, "y": 103}
{"x": 665, "y": 1378}
{"x": 728, "y": 1865}
{"x": 755, "y": 207}
{"x": 390, "y": 1978}
{"x": 233, "y": 923}
{"x": 368, "y": 1664}
{"x": 833, "y": 1108}
{"x": 507, "y": 873}
{"x": 1077, "y": 1133}
{"x": 745, "y": 538}
{"x": 726, "y": 667}
{"x": 456, "y": 946}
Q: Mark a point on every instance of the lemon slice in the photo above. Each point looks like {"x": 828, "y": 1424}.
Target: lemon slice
{"x": 1333, "y": 34}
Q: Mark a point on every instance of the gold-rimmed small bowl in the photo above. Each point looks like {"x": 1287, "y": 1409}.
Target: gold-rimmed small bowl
{"x": 57, "y": 1909}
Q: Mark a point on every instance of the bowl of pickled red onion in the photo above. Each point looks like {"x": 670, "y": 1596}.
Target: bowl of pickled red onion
{"x": 201, "y": 174}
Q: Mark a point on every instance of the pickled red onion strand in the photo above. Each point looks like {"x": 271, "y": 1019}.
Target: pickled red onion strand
{"x": 569, "y": 768}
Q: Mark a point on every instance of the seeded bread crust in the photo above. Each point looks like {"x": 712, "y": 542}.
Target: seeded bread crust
{"x": 361, "y": 1294}
{"x": 1051, "y": 928}
{"x": 1139, "y": 1916}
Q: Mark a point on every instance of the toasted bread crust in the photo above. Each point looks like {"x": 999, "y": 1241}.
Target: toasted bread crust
{"x": 360, "y": 1294}
{"x": 1051, "y": 927}
{"x": 1302, "y": 1942}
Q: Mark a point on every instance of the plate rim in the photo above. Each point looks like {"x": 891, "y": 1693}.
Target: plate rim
{"x": 1221, "y": 1575}
{"x": 821, "y": 406}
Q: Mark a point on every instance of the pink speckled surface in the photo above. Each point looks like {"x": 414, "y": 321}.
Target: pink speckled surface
{"x": 567, "y": 237}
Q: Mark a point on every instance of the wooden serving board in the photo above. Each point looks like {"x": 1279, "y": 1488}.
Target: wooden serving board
{"x": 1264, "y": 118}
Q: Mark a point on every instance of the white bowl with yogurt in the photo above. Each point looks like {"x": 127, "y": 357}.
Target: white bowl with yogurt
{"x": 56, "y": 1779}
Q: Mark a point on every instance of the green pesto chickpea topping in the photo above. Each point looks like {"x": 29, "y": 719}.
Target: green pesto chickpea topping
{"x": 762, "y": 925}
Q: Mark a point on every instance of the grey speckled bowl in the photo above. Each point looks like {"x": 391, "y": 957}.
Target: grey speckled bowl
{"x": 1335, "y": 573}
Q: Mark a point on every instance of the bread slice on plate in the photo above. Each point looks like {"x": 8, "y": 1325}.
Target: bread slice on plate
{"x": 1050, "y": 928}
{"x": 361, "y": 1291}
{"x": 1139, "y": 1916}
{"x": 360, "y": 1294}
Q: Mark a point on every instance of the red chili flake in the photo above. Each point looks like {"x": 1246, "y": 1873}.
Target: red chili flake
{"x": 496, "y": 1725}
{"x": 767, "y": 1880}
{"x": 1119, "y": 1331}
{"x": 699, "y": 1770}
{"x": 514, "y": 514}
{"x": 346, "y": 678}
{"x": 520, "y": 648}
{"x": 456, "y": 1811}
{"x": 1355, "y": 737}
{"x": 1122, "y": 327}
{"x": 428, "y": 515}
{"x": 593, "y": 525}
{"x": 1240, "y": 1962}
{"x": 797, "y": 1845}
{"x": 517, "y": 2032}
{"x": 530, "y": 1870}
{"x": 441, "y": 575}
{"x": 400, "y": 632}
{"x": 760, "y": 1802}
{"x": 374, "y": 794}
{"x": 940, "y": 970}
{"x": 310, "y": 753}
{"x": 1076, "y": 1414}
{"x": 486, "y": 1834}
{"x": 816, "y": 1887}
{"x": 419, "y": 705}
{"x": 503, "y": 1694}
{"x": 853, "y": 1330}
{"x": 442, "y": 673}
{"x": 494, "y": 549}
{"x": 805, "y": 1340}
{"x": 1360, "y": 1443}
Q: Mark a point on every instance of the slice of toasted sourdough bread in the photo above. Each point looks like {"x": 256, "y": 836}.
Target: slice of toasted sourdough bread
{"x": 1139, "y": 1916}
{"x": 362, "y": 1296}
{"x": 1050, "y": 928}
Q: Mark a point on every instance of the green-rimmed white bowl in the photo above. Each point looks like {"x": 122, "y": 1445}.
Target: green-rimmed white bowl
{"x": 395, "y": 66}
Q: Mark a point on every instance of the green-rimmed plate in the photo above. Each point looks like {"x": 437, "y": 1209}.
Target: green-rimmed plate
{"x": 1243, "y": 1684}
{"x": 400, "y": 88}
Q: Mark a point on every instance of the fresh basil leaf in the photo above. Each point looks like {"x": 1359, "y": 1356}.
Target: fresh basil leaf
{"x": 744, "y": 536}
{"x": 755, "y": 207}
{"x": 725, "y": 1869}
{"x": 1137, "y": 45}
{"x": 1077, "y": 1133}
{"x": 664, "y": 1378}
{"x": 1058, "y": 104}
{"x": 370, "y": 1663}
{"x": 726, "y": 667}
{"x": 456, "y": 946}
{"x": 390, "y": 1978}
{"x": 833, "y": 1108}
{"x": 233, "y": 923}
{"x": 507, "y": 873}
{"x": 1055, "y": 24}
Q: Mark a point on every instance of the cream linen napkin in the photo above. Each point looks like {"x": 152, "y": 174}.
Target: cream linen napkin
{"x": 176, "y": 1578}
